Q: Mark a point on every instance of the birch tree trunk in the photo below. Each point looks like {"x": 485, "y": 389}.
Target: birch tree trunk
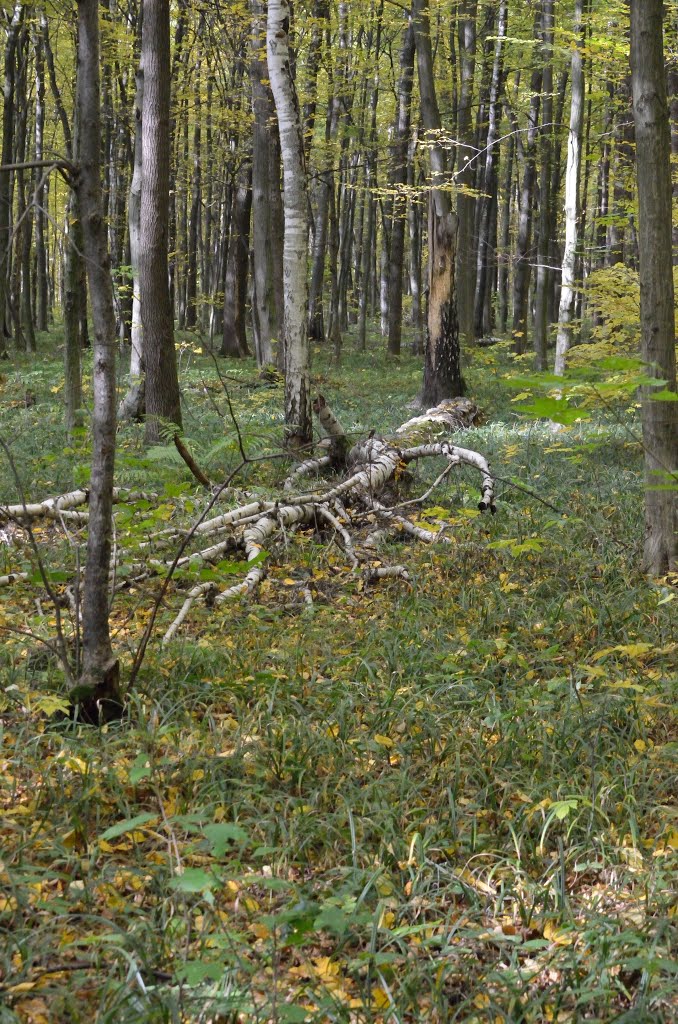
{"x": 162, "y": 384}
{"x": 660, "y": 418}
{"x": 295, "y": 202}
{"x": 134, "y": 403}
{"x": 99, "y": 670}
{"x": 567, "y": 286}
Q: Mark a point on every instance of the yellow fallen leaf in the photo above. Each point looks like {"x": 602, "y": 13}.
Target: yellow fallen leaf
{"x": 640, "y": 746}
{"x": 380, "y": 1000}
{"x": 383, "y": 741}
{"x": 558, "y": 936}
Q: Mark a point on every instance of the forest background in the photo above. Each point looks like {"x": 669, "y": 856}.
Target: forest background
{"x": 418, "y": 776}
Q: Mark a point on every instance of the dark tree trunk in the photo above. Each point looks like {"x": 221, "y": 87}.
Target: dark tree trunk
{"x": 401, "y": 132}
{"x": 442, "y": 364}
{"x": 40, "y": 191}
{"x": 6, "y": 177}
{"x": 545, "y": 222}
{"x": 466, "y": 248}
{"x": 234, "y": 340}
{"x": 162, "y": 384}
{"x": 99, "y": 670}
{"x": 524, "y": 254}
{"x": 489, "y": 181}
{"x": 660, "y": 418}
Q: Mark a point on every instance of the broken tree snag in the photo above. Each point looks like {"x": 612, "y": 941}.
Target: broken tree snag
{"x": 442, "y": 362}
{"x": 337, "y": 435}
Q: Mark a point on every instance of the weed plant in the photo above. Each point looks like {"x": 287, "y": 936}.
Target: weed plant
{"x": 448, "y": 802}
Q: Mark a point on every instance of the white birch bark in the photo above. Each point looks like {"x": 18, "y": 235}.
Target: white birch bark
{"x": 567, "y": 290}
{"x": 295, "y": 204}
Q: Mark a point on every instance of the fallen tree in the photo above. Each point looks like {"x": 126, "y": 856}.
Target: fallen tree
{"x": 356, "y": 502}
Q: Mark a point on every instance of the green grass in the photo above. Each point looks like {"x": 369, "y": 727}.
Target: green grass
{"x": 457, "y": 801}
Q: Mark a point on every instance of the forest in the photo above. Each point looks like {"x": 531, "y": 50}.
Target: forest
{"x": 338, "y": 511}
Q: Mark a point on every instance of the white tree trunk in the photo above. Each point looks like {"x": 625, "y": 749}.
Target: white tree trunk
{"x": 567, "y": 291}
{"x": 295, "y": 203}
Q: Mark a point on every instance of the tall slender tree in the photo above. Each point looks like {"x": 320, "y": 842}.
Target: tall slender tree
{"x": 568, "y": 283}
{"x": 297, "y": 352}
{"x": 100, "y": 671}
{"x": 442, "y": 362}
{"x": 657, "y": 315}
{"x": 162, "y": 383}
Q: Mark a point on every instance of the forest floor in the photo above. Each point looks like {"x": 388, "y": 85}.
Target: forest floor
{"x": 448, "y": 801}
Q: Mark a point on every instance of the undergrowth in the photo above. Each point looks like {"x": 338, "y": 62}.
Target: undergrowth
{"x": 454, "y": 801}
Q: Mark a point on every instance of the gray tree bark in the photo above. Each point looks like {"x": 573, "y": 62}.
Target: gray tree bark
{"x": 133, "y": 404}
{"x": 660, "y": 418}
{"x": 100, "y": 669}
{"x": 465, "y": 175}
{"x": 546, "y": 152}
{"x": 401, "y": 132}
{"x": 162, "y": 383}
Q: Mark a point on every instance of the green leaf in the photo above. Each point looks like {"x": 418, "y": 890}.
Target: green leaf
{"x": 194, "y": 880}
{"x": 128, "y": 825}
{"x": 332, "y": 919}
{"x": 558, "y": 410}
{"x": 664, "y": 396}
{"x": 140, "y": 769}
{"x": 194, "y": 972}
{"x": 221, "y": 834}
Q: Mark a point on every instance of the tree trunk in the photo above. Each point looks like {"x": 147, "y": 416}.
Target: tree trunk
{"x": 100, "y": 670}
{"x": 40, "y": 191}
{"x": 568, "y": 284}
{"x": 196, "y": 203}
{"x": 546, "y": 152}
{"x": 660, "y": 418}
{"x": 414, "y": 254}
{"x": 6, "y": 178}
{"x": 266, "y": 261}
{"x": 442, "y": 364}
{"x": 466, "y": 249}
{"x": 504, "y": 254}
{"x": 133, "y": 405}
{"x": 234, "y": 338}
{"x": 524, "y": 254}
{"x": 162, "y": 384}
{"x": 401, "y": 132}
{"x": 297, "y": 352}
{"x": 489, "y": 179}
